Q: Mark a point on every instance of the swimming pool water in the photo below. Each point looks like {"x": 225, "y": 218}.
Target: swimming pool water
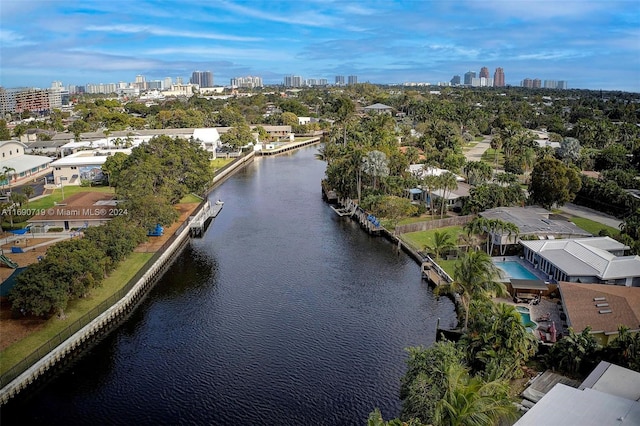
{"x": 525, "y": 318}
{"x": 516, "y": 270}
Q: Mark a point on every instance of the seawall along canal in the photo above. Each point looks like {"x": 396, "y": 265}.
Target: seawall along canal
{"x": 283, "y": 314}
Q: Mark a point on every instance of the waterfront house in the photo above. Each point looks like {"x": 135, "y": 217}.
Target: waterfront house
{"x": 597, "y": 260}
{"x": 533, "y": 223}
{"x": 610, "y": 395}
{"x": 602, "y": 307}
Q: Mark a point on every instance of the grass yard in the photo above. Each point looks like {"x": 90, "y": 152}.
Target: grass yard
{"x": 593, "y": 226}
{"x": 420, "y": 239}
{"x": 56, "y": 197}
{"x": 190, "y": 198}
{"x": 76, "y": 309}
{"x": 447, "y": 265}
{"x": 219, "y": 163}
{"x": 489, "y": 157}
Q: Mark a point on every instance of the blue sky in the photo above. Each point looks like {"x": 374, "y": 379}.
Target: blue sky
{"x": 591, "y": 44}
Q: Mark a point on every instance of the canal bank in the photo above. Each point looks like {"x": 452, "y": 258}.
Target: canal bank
{"x": 93, "y": 325}
{"x": 282, "y": 314}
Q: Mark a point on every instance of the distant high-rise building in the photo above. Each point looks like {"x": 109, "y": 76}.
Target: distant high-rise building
{"x": 322, "y": 82}
{"x": 550, "y": 84}
{"x": 140, "y": 83}
{"x": 455, "y": 81}
{"x": 498, "y": 78}
{"x": 468, "y": 77}
{"x": 155, "y": 85}
{"x": 484, "y": 72}
{"x": 528, "y": 83}
{"x": 352, "y": 79}
{"x": 293, "y": 81}
{"x": 339, "y": 80}
{"x": 178, "y": 81}
{"x": 202, "y": 78}
{"x": 562, "y": 84}
{"x": 167, "y": 83}
{"x": 537, "y": 83}
{"x": 249, "y": 82}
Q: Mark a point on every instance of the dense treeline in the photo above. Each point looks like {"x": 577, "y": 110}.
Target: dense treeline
{"x": 72, "y": 268}
{"x": 149, "y": 182}
{"x": 157, "y": 175}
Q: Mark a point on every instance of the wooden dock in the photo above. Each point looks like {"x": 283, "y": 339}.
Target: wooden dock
{"x": 199, "y": 223}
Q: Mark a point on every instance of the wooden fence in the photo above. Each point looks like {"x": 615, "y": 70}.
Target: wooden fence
{"x": 433, "y": 224}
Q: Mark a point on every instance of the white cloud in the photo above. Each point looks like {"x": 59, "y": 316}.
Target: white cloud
{"x": 307, "y": 18}
{"x": 10, "y": 38}
{"x": 164, "y": 32}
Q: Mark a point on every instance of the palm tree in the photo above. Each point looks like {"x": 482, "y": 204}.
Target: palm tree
{"x": 512, "y": 230}
{"x": 474, "y": 276}
{"x": 442, "y": 242}
{"x": 470, "y": 401}
{"x": 469, "y": 241}
{"x": 497, "y": 342}
{"x": 375, "y": 164}
{"x": 479, "y": 226}
{"x": 431, "y": 182}
{"x": 572, "y": 352}
{"x": 496, "y": 144}
{"x": 448, "y": 182}
{"x": 6, "y": 175}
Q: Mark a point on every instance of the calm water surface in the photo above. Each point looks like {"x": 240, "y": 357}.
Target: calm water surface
{"x": 284, "y": 314}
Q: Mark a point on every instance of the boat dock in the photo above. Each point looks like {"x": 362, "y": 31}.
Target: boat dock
{"x": 199, "y": 223}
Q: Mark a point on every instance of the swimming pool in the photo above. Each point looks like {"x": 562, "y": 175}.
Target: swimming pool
{"x": 513, "y": 269}
{"x": 525, "y": 318}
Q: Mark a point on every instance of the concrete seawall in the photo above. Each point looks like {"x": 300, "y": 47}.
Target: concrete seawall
{"x": 113, "y": 315}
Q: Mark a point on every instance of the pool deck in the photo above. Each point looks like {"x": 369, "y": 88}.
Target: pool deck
{"x": 546, "y": 306}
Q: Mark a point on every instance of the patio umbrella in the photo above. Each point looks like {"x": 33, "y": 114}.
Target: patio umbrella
{"x": 553, "y": 331}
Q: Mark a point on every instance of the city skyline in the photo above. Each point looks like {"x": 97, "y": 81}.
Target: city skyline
{"x": 591, "y": 44}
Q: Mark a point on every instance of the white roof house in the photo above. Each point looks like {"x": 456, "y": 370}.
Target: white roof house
{"x": 21, "y": 166}
{"x": 567, "y": 406}
{"x": 209, "y": 139}
{"x": 585, "y": 260}
{"x": 422, "y": 170}
{"x": 83, "y": 165}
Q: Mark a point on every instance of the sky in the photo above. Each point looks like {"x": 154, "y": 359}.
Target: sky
{"x": 592, "y": 44}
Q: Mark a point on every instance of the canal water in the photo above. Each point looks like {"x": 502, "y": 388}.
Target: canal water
{"x": 283, "y": 314}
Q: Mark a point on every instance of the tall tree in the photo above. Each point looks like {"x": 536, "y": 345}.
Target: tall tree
{"x": 471, "y": 401}
{"x": 376, "y": 165}
{"x": 442, "y": 243}
{"x": 475, "y": 276}
{"x": 553, "y": 183}
{"x": 448, "y": 182}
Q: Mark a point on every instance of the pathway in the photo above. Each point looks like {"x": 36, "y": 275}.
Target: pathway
{"x": 475, "y": 153}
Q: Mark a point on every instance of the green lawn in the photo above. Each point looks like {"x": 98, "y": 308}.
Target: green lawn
{"x": 447, "y": 265}
{"x": 420, "y": 239}
{"x": 219, "y": 163}
{"x": 76, "y": 309}
{"x": 56, "y": 196}
{"x": 190, "y": 198}
{"x": 593, "y": 226}
{"x": 489, "y": 157}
